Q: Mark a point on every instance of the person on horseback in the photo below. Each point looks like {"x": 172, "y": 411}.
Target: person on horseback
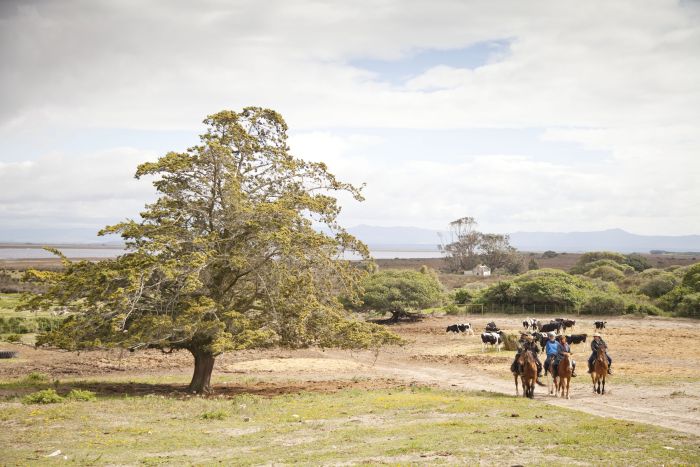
{"x": 562, "y": 347}
{"x": 525, "y": 343}
{"x": 596, "y": 343}
{"x": 550, "y": 348}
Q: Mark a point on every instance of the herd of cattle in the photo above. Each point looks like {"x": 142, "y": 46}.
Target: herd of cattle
{"x": 493, "y": 336}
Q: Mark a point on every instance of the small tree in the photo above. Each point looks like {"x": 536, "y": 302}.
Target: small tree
{"x": 532, "y": 265}
{"x": 402, "y": 293}
{"x": 225, "y": 259}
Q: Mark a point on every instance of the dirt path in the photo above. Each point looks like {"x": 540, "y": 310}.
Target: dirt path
{"x": 621, "y": 402}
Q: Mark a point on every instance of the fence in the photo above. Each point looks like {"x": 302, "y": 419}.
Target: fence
{"x": 522, "y": 309}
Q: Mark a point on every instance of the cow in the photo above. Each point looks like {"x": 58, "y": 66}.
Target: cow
{"x": 600, "y": 325}
{"x": 491, "y": 338}
{"x": 551, "y": 327}
{"x": 460, "y": 328}
{"x": 491, "y": 327}
{"x": 568, "y": 323}
{"x": 530, "y": 323}
{"x": 576, "y": 338}
{"x": 541, "y": 338}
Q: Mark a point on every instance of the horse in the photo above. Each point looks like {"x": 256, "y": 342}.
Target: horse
{"x": 564, "y": 371}
{"x": 551, "y": 376}
{"x": 600, "y": 370}
{"x": 528, "y": 374}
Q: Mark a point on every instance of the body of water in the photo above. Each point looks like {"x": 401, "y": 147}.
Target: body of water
{"x": 38, "y": 253}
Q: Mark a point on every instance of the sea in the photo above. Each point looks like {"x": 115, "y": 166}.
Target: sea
{"x": 33, "y": 252}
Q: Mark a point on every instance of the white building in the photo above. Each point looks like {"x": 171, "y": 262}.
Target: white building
{"x": 481, "y": 270}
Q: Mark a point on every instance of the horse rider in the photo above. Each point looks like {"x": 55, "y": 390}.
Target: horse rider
{"x": 596, "y": 343}
{"x": 550, "y": 348}
{"x": 564, "y": 347}
{"x": 525, "y": 343}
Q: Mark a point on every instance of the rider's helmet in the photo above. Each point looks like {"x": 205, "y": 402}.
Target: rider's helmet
{"x": 597, "y": 334}
{"x": 551, "y": 334}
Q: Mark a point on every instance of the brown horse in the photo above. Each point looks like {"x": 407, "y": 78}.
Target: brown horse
{"x": 600, "y": 370}
{"x": 564, "y": 371}
{"x": 528, "y": 374}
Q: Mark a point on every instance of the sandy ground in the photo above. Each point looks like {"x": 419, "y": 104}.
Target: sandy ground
{"x": 656, "y": 362}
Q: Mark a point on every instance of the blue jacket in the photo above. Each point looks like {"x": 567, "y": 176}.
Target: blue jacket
{"x": 551, "y": 347}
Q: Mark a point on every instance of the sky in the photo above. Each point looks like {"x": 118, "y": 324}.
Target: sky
{"x": 529, "y": 116}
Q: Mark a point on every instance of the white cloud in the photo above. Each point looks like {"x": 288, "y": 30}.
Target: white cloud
{"x": 615, "y": 76}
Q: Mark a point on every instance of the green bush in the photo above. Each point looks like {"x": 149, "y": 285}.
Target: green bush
{"x": 691, "y": 278}
{"x": 452, "y": 309}
{"x": 638, "y": 262}
{"x": 660, "y": 284}
{"x": 603, "y": 304}
{"x": 81, "y": 395}
{"x": 581, "y": 265}
{"x": 46, "y": 396}
{"x": 401, "y": 292}
{"x": 689, "y": 305}
{"x": 13, "y": 338}
{"x": 214, "y": 415}
{"x": 607, "y": 273}
{"x": 550, "y": 254}
{"x": 462, "y": 296}
{"x": 36, "y": 378}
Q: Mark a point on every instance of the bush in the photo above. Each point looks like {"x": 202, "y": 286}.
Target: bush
{"x": 47, "y": 396}
{"x": 36, "y": 378}
{"x": 593, "y": 256}
{"x": 661, "y": 284}
{"x": 638, "y": 262}
{"x": 80, "y": 395}
{"x": 691, "y": 278}
{"x": 550, "y": 254}
{"x": 401, "y": 292}
{"x": 689, "y": 305}
{"x": 13, "y": 338}
{"x": 600, "y": 304}
{"x": 214, "y": 415}
{"x": 607, "y": 273}
{"x": 462, "y": 296}
{"x": 452, "y": 309}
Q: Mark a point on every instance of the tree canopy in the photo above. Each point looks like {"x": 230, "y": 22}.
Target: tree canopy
{"x": 226, "y": 258}
{"x": 401, "y": 292}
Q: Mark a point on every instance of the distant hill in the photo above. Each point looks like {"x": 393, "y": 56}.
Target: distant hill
{"x": 408, "y": 238}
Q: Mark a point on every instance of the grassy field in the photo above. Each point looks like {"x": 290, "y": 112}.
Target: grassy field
{"x": 404, "y": 425}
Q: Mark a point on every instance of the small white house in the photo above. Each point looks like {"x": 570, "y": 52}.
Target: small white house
{"x": 481, "y": 270}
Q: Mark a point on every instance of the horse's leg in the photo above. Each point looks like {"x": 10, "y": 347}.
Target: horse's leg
{"x": 517, "y": 391}
{"x": 593, "y": 379}
{"x": 603, "y": 384}
{"x": 568, "y": 381}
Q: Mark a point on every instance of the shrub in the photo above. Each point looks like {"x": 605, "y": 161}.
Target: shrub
{"x": 603, "y": 304}
{"x": 638, "y": 262}
{"x": 590, "y": 257}
{"x": 532, "y": 264}
{"x": 46, "y": 396}
{"x": 462, "y": 296}
{"x": 659, "y": 285}
{"x": 691, "y": 278}
{"x": 401, "y": 292}
{"x": 13, "y": 338}
{"x": 452, "y": 309}
{"x": 214, "y": 415}
{"x": 36, "y": 378}
{"x": 607, "y": 273}
{"x": 550, "y": 254}
{"x": 689, "y": 305}
{"x": 81, "y": 395}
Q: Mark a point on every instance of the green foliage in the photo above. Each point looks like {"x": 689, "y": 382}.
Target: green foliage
{"x": 659, "y": 284}
{"x": 400, "y": 292}
{"x": 462, "y": 296}
{"x": 532, "y": 265}
{"x": 45, "y": 396}
{"x": 36, "y": 378}
{"x": 691, "y": 278}
{"x": 550, "y": 254}
{"x": 214, "y": 415}
{"x": 13, "y": 338}
{"x": 27, "y": 325}
{"x": 603, "y": 304}
{"x": 227, "y": 257}
{"x": 581, "y": 265}
{"x": 542, "y": 286}
{"x": 452, "y": 309}
{"x": 606, "y": 273}
{"x": 638, "y": 262}
{"x": 81, "y": 395}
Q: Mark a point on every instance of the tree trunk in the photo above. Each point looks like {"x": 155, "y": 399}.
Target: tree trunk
{"x": 201, "y": 378}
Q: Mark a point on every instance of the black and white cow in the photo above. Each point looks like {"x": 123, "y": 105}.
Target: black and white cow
{"x": 460, "y": 328}
{"x": 491, "y": 338}
{"x": 600, "y": 325}
{"x": 530, "y": 323}
{"x": 491, "y": 327}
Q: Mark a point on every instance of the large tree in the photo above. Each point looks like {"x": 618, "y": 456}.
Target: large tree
{"x": 228, "y": 257}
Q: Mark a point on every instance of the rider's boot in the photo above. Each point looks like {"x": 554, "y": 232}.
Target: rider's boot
{"x": 590, "y": 368}
{"x": 609, "y": 370}
{"x": 539, "y": 380}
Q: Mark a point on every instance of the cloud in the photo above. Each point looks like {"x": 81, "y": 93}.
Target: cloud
{"x": 612, "y": 77}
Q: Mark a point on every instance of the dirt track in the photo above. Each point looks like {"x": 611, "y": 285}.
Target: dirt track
{"x": 656, "y": 361}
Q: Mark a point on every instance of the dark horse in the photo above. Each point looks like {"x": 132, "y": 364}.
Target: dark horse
{"x": 600, "y": 370}
{"x": 528, "y": 374}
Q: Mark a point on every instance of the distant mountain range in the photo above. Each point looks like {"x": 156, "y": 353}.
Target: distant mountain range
{"x": 419, "y": 239}
{"x": 398, "y": 238}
